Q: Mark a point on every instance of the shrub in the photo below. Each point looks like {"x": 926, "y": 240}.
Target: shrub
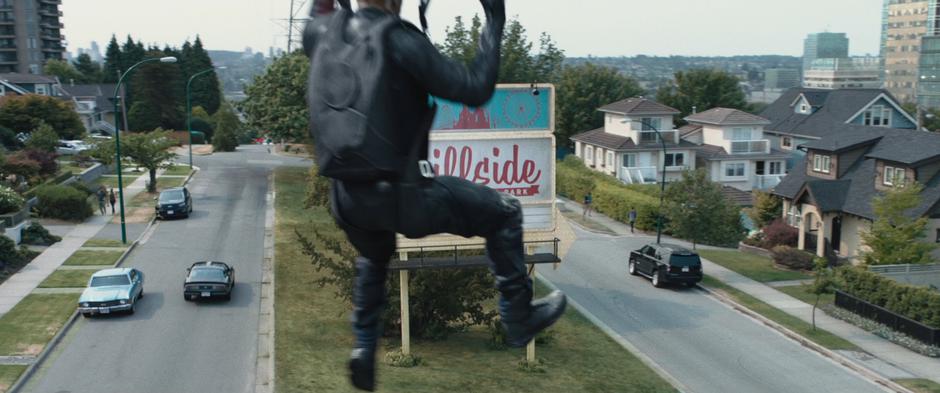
{"x": 318, "y": 189}
{"x": 778, "y": 233}
{"x": 63, "y": 202}
{"x": 43, "y": 138}
{"x": 918, "y": 303}
{"x": 21, "y": 165}
{"x": 8, "y": 139}
{"x": 10, "y": 257}
{"x": 38, "y": 235}
{"x": 10, "y": 201}
{"x": 792, "y": 258}
{"x": 48, "y": 166}
{"x": 611, "y": 197}
{"x": 202, "y": 126}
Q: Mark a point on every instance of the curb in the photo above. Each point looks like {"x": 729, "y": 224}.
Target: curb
{"x": 264, "y": 361}
{"x": 52, "y": 344}
{"x": 649, "y": 362}
{"x": 862, "y": 371}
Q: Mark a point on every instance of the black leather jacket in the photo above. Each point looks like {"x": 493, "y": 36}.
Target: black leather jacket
{"x": 421, "y": 70}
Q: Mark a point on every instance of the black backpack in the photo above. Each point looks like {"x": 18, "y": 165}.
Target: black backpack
{"x": 347, "y": 83}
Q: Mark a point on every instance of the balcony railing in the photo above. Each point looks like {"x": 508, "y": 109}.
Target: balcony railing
{"x": 638, "y": 175}
{"x": 765, "y": 182}
{"x": 750, "y": 147}
{"x": 647, "y": 137}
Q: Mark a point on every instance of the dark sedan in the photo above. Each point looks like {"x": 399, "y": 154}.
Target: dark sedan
{"x": 174, "y": 202}
{"x": 207, "y": 280}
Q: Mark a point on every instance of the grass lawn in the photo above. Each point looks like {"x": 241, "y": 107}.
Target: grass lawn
{"x": 170, "y": 182}
{"x": 314, "y": 337}
{"x": 178, "y": 170}
{"x": 74, "y": 169}
{"x": 112, "y": 182}
{"x": 27, "y": 328}
{"x": 8, "y": 376}
{"x": 801, "y": 292}
{"x": 67, "y": 279}
{"x": 920, "y": 385}
{"x": 755, "y": 267}
{"x": 819, "y": 336}
{"x": 104, "y": 243}
{"x": 89, "y": 257}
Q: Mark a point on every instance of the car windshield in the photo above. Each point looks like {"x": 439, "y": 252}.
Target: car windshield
{"x": 175, "y": 196}
{"x": 685, "y": 260}
{"x": 207, "y": 274}
{"x": 107, "y": 281}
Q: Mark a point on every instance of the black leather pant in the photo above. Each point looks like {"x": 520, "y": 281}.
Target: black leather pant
{"x": 371, "y": 214}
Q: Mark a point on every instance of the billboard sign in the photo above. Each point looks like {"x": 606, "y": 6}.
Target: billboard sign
{"x": 512, "y": 108}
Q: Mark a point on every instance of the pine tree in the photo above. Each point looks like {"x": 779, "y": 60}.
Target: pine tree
{"x": 897, "y": 236}
{"x": 205, "y": 89}
{"x": 156, "y": 86}
{"x": 113, "y": 61}
{"x": 90, "y": 70}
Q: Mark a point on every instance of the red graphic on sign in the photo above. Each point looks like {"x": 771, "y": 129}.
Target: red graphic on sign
{"x": 472, "y": 119}
{"x": 505, "y": 174}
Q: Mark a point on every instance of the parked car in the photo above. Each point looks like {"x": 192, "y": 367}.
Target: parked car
{"x": 67, "y": 148}
{"x": 112, "y": 290}
{"x": 666, "y": 263}
{"x": 209, "y": 279}
{"x": 174, "y": 202}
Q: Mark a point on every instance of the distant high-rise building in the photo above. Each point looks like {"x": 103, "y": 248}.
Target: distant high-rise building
{"x": 30, "y": 34}
{"x": 928, "y": 83}
{"x": 904, "y": 24}
{"x": 95, "y": 52}
{"x": 844, "y": 73}
{"x": 781, "y": 78}
{"x": 824, "y": 46}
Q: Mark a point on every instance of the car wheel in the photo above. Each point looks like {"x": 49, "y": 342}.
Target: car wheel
{"x": 657, "y": 279}
{"x": 631, "y": 267}
{"x": 186, "y": 298}
{"x": 86, "y": 314}
{"x": 228, "y": 296}
{"x": 133, "y": 308}
{"x": 141, "y": 294}
{"x": 691, "y": 284}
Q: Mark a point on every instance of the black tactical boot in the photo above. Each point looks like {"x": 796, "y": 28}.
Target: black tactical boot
{"x": 362, "y": 369}
{"x": 542, "y": 314}
{"x": 368, "y": 304}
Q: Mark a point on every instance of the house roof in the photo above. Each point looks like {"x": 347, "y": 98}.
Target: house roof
{"x": 832, "y": 109}
{"x": 854, "y": 191}
{"x": 689, "y": 129}
{"x": 639, "y": 106}
{"x": 18, "y": 78}
{"x": 621, "y": 143}
{"x": 726, "y": 117}
{"x": 741, "y": 198}
{"x": 101, "y": 92}
{"x": 903, "y": 146}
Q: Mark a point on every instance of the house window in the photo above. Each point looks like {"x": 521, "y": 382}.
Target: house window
{"x": 793, "y": 216}
{"x": 675, "y": 159}
{"x": 589, "y": 155}
{"x": 787, "y": 143}
{"x": 41, "y": 90}
{"x": 741, "y": 134}
{"x": 735, "y": 169}
{"x": 610, "y": 159}
{"x": 775, "y": 168}
{"x": 878, "y": 116}
{"x": 821, "y": 163}
{"x": 629, "y": 161}
{"x": 804, "y": 108}
{"x": 893, "y": 176}
{"x": 647, "y": 124}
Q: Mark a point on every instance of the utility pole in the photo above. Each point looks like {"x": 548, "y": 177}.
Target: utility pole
{"x": 290, "y": 27}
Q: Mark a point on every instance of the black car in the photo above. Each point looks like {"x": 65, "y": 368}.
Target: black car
{"x": 207, "y": 280}
{"x": 666, "y": 263}
{"x": 174, "y": 202}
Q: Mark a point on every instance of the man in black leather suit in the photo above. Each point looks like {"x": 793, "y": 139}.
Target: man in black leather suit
{"x": 371, "y": 213}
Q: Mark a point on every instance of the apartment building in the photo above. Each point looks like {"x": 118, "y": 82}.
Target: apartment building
{"x": 30, "y": 34}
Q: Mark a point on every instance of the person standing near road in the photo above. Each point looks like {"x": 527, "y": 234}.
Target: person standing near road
{"x": 102, "y": 194}
{"x": 632, "y": 218}
{"x": 113, "y": 200}
{"x": 372, "y": 56}
{"x": 588, "y": 200}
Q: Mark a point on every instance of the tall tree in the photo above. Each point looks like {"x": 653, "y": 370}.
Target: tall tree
{"x": 63, "y": 70}
{"x": 896, "y": 236}
{"x": 157, "y": 85}
{"x": 276, "y": 101}
{"x": 581, "y": 90}
{"x": 767, "y": 208}
{"x": 227, "y": 127}
{"x": 26, "y": 113}
{"x": 703, "y": 89}
{"x": 205, "y": 89}
{"x": 699, "y": 212}
{"x": 150, "y": 151}
{"x": 90, "y": 70}
{"x": 112, "y": 61}
{"x": 516, "y": 63}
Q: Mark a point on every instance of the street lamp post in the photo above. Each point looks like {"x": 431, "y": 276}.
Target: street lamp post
{"x": 662, "y": 190}
{"x": 117, "y": 134}
{"x": 189, "y": 109}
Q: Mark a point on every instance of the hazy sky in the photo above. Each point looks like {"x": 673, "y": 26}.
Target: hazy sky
{"x": 583, "y": 27}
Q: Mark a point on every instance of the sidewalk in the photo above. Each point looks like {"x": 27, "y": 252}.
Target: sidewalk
{"x": 23, "y": 282}
{"x": 896, "y": 355}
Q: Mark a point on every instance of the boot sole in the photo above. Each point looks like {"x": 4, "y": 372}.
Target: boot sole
{"x": 544, "y": 325}
{"x": 359, "y": 376}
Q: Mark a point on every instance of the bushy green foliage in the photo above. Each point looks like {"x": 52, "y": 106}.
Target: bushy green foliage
{"x": 698, "y": 211}
{"x": 611, "y": 197}
{"x": 36, "y": 234}
{"x": 792, "y": 258}
{"x": 918, "y": 303}
{"x": 227, "y": 127}
{"x": 10, "y": 201}
{"x": 25, "y": 113}
{"x": 48, "y": 166}
{"x": 63, "y": 202}
{"x": 584, "y": 88}
{"x": 703, "y": 89}
{"x": 21, "y": 165}
{"x": 9, "y": 255}
{"x": 8, "y": 139}
{"x": 150, "y": 151}
{"x": 767, "y": 208}
{"x": 318, "y": 189}
{"x": 103, "y": 150}
{"x": 203, "y": 126}
{"x": 43, "y": 138}
{"x": 277, "y": 99}
{"x": 895, "y": 236}
{"x": 144, "y": 117}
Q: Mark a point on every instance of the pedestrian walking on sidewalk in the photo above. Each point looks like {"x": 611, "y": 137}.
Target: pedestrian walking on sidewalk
{"x": 632, "y": 217}
{"x": 102, "y": 194}
{"x": 113, "y": 200}
{"x": 588, "y": 200}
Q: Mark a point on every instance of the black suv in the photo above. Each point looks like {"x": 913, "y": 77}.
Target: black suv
{"x": 666, "y": 263}
{"x": 174, "y": 202}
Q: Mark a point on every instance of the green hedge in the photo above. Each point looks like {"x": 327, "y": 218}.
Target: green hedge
{"x": 53, "y": 181}
{"x": 918, "y": 303}
{"x": 63, "y": 202}
{"x": 611, "y": 197}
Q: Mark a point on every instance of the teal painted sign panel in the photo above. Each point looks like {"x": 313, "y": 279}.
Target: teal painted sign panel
{"x": 510, "y": 109}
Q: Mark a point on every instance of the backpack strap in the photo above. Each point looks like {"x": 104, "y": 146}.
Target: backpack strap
{"x": 345, "y": 4}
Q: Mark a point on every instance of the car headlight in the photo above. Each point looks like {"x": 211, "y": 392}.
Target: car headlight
{"x": 85, "y": 304}
{"x": 123, "y": 301}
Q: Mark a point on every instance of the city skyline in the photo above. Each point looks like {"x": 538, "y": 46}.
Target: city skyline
{"x": 718, "y": 28}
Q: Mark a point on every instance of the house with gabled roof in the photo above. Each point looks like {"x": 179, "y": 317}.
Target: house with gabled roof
{"x": 828, "y": 195}
{"x": 93, "y": 104}
{"x": 22, "y": 84}
{"x": 802, "y": 115}
{"x": 627, "y": 146}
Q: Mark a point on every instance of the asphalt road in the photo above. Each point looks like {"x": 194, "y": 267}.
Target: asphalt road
{"x": 705, "y": 345}
{"x": 171, "y": 345}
